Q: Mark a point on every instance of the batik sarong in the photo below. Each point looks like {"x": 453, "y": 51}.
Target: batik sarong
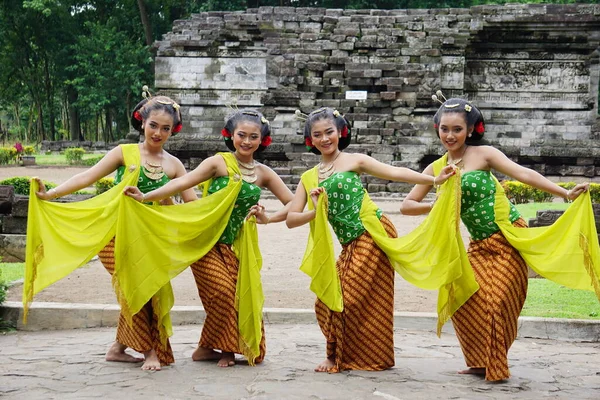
{"x": 486, "y": 325}
{"x": 143, "y": 334}
{"x": 361, "y": 337}
{"x": 216, "y": 276}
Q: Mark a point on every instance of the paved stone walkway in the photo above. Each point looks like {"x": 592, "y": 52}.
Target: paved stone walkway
{"x": 70, "y": 365}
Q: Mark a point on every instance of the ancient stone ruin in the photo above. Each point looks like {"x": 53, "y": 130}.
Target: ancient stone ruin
{"x": 532, "y": 69}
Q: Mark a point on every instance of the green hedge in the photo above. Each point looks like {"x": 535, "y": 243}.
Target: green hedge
{"x": 520, "y": 193}
{"x": 21, "y": 184}
{"x": 104, "y": 184}
{"x": 74, "y": 155}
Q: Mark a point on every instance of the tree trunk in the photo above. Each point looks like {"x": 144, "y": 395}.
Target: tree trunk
{"x": 49, "y": 99}
{"x": 74, "y": 128}
{"x": 145, "y": 22}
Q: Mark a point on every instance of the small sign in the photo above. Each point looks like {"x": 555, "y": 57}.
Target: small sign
{"x": 356, "y": 95}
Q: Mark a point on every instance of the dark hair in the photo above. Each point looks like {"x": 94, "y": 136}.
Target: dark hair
{"x": 340, "y": 122}
{"x": 473, "y": 117}
{"x": 233, "y": 120}
{"x": 145, "y": 107}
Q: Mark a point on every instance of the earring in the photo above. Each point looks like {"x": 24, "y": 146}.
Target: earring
{"x": 470, "y": 134}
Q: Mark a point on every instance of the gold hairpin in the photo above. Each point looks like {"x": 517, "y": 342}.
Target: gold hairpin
{"x": 440, "y": 94}
{"x": 146, "y": 92}
{"x": 451, "y": 105}
{"x": 300, "y": 115}
{"x": 435, "y": 98}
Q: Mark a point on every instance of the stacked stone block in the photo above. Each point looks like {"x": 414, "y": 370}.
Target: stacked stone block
{"x": 532, "y": 69}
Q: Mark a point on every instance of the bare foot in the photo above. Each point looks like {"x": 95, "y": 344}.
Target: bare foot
{"x": 152, "y": 363}
{"x": 227, "y": 360}
{"x": 205, "y": 354}
{"x": 325, "y": 366}
{"x": 472, "y": 371}
{"x": 117, "y": 353}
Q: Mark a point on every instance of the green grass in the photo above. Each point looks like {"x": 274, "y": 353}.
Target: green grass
{"x": 548, "y": 299}
{"x": 11, "y": 272}
{"x": 528, "y": 210}
{"x": 57, "y": 159}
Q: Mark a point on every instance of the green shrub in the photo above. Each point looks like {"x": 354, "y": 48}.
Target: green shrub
{"x": 8, "y": 155}
{"x": 517, "y": 192}
{"x": 3, "y": 289}
{"x": 90, "y": 162}
{"x": 595, "y": 192}
{"x": 21, "y": 184}
{"x": 104, "y": 184}
{"x": 539, "y": 196}
{"x": 74, "y": 155}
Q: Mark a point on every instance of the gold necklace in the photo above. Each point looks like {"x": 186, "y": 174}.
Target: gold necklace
{"x": 248, "y": 170}
{"x": 325, "y": 171}
{"x": 153, "y": 171}
{"x": 458, "y": 162}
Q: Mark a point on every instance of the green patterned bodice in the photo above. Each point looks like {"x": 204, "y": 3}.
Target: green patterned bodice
{"x": 145, "y": 184}
{"x": 248, "y": 196}
{"x": 345, "y": 195}
{"x": 477, "y": 208}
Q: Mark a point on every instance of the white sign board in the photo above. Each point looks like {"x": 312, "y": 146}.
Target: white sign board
{"x": 356, "y": 95}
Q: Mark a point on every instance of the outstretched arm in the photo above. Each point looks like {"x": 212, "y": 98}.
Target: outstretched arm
{"x": 412, "y": 203}
{"x": 274, "y": 183}
{"x": 373, "y": 167}
{"x": 500, "y": 162}
{"x": 296, "y": 215}
{"x": 109, "y": 163}
{"x": 206, "y": 170}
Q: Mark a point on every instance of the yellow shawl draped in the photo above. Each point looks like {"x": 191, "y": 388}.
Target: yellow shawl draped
{"x": 64, "y": 236}
{"x": 567, "y": 252}
{"x": 430, "y": 257}
{"x": 158, "y": 242}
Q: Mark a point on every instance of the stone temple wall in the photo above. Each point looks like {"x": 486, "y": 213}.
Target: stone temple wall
{"x": 532, "y": 69}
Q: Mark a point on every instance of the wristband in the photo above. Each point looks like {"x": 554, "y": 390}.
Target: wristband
{"x": 53, "y": 195}
{"x": 143, "y": 197}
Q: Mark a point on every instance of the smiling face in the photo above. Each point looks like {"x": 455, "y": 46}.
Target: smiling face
{"x": 325, "y": 136}
{"x": 453, "y": 130}
{"x": 246, "y": 137}
{"x": 157, "y": 127}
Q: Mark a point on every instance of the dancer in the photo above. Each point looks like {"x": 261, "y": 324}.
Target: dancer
{"x": 486, "y": 325}
{"x": 356, "y": 316}
{"x": 218, "y": 271}
{"x": 158, "y": 118}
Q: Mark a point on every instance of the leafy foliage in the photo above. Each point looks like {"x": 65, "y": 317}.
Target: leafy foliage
{"x": 21, "y": 184}
{"x": 74, "y": 155}
{"x": 104, "y": 184}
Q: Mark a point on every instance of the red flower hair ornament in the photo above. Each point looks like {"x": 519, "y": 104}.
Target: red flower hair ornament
{"x": 266, "y": 141}
{"x": 479, "y": 127}
{"x": 137, "y": 115}
{"x": 344, "y": 132}
{"x": 308, "y": 143}
{"x": 176, "y": 128}
{"x": 225, "y": 133}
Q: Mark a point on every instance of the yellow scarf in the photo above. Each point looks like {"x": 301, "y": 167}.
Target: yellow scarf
{"x": 430, "y": 257}
{"x": 154, "y": 244}
{"x": 565, "y": 252}
{"x": 64, "y": 236}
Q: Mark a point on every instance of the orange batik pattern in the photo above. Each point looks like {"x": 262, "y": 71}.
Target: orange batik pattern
{"x": 143, "y": 334}
{"x": 361, "y": 337}
{"x": 216, "y": 276}
{"x": 486, "y": 325}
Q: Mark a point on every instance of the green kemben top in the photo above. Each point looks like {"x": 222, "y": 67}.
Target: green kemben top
{"x": 477, "y": 208}
{"x": 145, "y": 184}
{"x": 345, "y": 195}
{"x": 249, "y": 195}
